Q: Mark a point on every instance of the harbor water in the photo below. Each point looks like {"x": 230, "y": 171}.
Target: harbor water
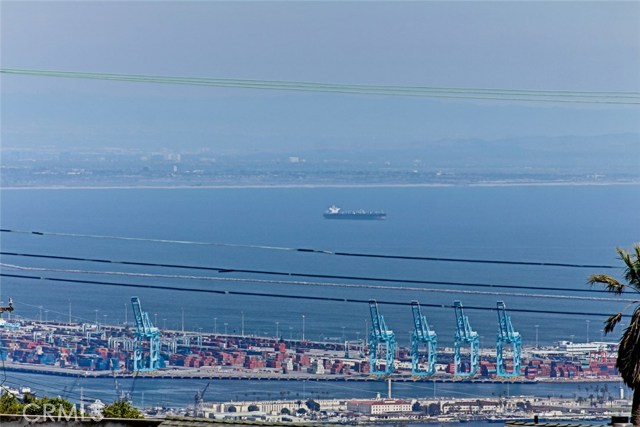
{"x": 539, "y": 224}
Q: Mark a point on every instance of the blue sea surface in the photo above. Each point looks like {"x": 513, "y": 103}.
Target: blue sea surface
{"x": 559, "y": 224}
{"x": 570, "y": 224}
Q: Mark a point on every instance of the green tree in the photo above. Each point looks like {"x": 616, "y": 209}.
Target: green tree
{"x": 312, "y": 405}
{"x": 253, "y": 408}
{"x": 628, "y": 362}
{"x": 121, "y": 409}
{"x": 56, "y": 406}
{"x": 285, "y": 411}
{"x": 416, "y": 407}
{"x": 9, "y": 404}
{"x": 434, "y": 409}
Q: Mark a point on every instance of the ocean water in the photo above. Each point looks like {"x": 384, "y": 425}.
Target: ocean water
{"x": 570, "y": 224}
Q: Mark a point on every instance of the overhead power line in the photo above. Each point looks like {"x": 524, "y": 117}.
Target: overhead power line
{"x": 311, "y": 284}
{"x": 494, "y": 94}
{"x": 227, "y": 270}
{"x": 283, "y": 296}
{"x": 60, "y": 313}
{"x": 18, "y": 379}
{"x": 310, "y": 250}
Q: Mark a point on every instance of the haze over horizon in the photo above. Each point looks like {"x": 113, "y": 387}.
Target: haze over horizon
{"x": 583, "y": 46}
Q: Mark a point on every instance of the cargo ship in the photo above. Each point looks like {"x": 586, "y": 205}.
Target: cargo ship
{"x": 335, "y": 212}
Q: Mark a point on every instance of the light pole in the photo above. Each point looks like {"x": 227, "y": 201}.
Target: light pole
{"x": 588, "y": 321}
{"x": 242, "y": 324}
{"x": 277, "y": 329}
{"x": 155, "y": 319}
{"x": 183, "y": 320}
{"x": 572, "y": 336}
{"x": 125, "y": 314}
{"x": 215, "y": 325}
{"x": 225, "y": 328}
{"x": 537, "y": 326}
{"x": 96, "y": 310}
{"x": 366, "y": 331}
{"x": 303, "y": 327}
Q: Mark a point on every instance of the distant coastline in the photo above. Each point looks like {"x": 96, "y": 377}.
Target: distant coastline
{"x": 326, "y": 185}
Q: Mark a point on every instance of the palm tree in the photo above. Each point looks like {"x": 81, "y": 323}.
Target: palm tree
{"x": 628, "y": 362}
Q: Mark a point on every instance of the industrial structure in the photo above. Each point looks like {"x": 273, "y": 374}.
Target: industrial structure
{"x": 147, "y": 334}
{"x": 199, "y": 402}
{"x": 4, "y": 324}
{"x": 465, "y": 335}
{"x": 382, "y": 342}
{"x": 507, "y": 336}
{"x": 8, "y": 308}
{"x": 422, "y": 337}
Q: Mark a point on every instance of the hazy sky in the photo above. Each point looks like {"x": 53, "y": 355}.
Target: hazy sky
{"x": 583, "y": 46}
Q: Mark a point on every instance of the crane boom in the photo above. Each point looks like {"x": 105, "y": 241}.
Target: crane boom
{"x": 138, "y": 315}
{"x": 376, "y": 326}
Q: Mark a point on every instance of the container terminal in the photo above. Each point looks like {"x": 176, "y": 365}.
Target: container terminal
{"x": 93, "y": 349}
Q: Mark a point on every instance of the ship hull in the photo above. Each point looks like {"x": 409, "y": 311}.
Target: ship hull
{"x": 356, "y": 216}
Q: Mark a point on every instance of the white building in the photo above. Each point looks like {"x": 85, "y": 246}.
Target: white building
{"x": 270, "y": 407}
{"x": 376, "y": 407}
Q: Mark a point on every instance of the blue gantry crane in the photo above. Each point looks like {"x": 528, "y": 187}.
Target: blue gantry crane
{"x": 145, "y": 333}
{"x": 507, "y": 336}
{"x": 381, "y": 341}
{"x": 422, "y": 336}
{"x": 464, "y": 335}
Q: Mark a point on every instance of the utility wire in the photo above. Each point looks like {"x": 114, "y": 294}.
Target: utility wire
{"x": 581, "y": 97}
{"x": 311, "y": 284}
{"x": 309, "y": 250}
{"x": 76, "y": 318}
{"x": 284, "y": 296}
{"x": 42, "y": 386}
{"x": 308, "y": 275}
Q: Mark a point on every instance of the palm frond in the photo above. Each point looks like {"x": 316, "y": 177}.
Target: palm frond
{"x": 611, "y": 284}
{"x": 632, "y": 270}
{"x": 611, "y": 322}
{"x": 629, "y": 352}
